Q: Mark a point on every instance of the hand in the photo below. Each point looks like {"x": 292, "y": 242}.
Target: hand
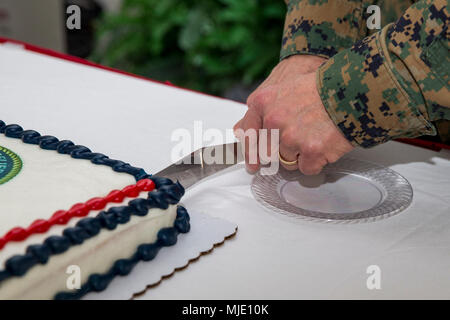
{"x": 289, "y": 101}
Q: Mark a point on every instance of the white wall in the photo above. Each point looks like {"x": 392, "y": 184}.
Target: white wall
{"x": 110, "y": 5}
{"x": 36, "y": 22}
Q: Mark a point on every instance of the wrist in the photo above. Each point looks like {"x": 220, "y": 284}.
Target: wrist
{"x": 307, "y": 62}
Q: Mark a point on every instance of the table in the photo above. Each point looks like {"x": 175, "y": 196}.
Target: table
{"x": 271, "y": 257}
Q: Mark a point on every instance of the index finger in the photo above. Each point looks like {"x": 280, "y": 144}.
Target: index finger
{"x": 248, "y": 135}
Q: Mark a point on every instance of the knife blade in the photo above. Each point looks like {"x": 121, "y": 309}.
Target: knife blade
{"x": 203, "y": 163}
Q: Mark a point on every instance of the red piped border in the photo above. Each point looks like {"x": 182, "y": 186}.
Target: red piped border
{"x": 62, "y": 217}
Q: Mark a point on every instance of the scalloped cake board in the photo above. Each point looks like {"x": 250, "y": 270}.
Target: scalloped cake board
{"x": 206, "y": 232}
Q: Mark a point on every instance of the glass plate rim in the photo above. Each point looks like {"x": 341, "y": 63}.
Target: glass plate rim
{"x": 392, "y": 204}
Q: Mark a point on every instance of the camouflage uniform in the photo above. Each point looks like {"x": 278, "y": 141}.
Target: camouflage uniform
{"x": 394, "y": 82}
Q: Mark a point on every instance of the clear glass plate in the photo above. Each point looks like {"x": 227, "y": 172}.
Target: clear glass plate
{"x": 349, "y": 190}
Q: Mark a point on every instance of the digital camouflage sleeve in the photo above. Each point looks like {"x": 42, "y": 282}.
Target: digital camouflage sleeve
{"x": 391, "y": 84}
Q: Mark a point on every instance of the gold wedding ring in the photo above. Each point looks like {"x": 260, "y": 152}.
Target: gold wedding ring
{"x": 288, "y": 163}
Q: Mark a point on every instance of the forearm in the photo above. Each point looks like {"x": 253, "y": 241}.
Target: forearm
{"x": 325, "y": 28}
{"x": 393, "y": 83}
{"x": 320, "y": 28}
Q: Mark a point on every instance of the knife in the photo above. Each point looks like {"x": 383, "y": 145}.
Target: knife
{"x": 203, "y": 163}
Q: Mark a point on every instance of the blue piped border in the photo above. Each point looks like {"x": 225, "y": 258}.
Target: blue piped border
{"x": 145, "y": 252}
{"x": 166, "y": 194}
{"x": 69, "y": 148}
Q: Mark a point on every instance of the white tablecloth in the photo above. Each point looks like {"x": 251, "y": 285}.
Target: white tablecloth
{"x": 271, "y": 256}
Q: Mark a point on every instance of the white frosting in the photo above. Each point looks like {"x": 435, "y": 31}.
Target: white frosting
{"x": 50, "y": 181}
{"x": 95, "y": 255}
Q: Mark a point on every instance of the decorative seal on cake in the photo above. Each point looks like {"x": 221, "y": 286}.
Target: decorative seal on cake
{"x": 10, "y": 165}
